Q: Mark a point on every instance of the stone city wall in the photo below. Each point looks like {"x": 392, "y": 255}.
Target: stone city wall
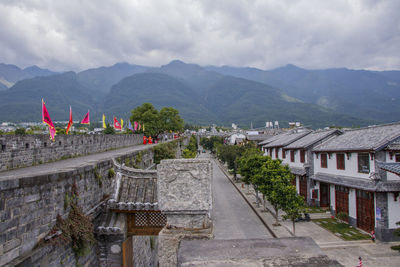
{"x": 29, "y": 207}
{"x": 27, "y": 150}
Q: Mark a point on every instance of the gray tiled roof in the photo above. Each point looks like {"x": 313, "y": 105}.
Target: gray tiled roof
{"x": 137, "y": 190}
{"x": 273, "y": 138}
{"x": 358, "y": 183}
{"x": 259, "y": 137}
{"x": 394, "y": 146}
{"x": 298, "y": 171}
{"x": 393, "y": 167}
{"x": 287, "y": 139}
{"x": 311, "y": 139}
{"x": 369, "y": 138}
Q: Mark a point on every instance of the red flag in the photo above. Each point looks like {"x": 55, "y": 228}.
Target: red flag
{"x": 46, "y": 116}
{"x": 52, "y": 133}
{"x": 117, "y": 125}
{"x": 70, "y": 120}
{"x": 86, "y": 119}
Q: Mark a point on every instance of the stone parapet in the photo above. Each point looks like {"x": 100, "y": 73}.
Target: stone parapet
{"x": 27, "y": 150}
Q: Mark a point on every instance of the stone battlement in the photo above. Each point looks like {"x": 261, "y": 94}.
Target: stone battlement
{"x": 27, "y": 150}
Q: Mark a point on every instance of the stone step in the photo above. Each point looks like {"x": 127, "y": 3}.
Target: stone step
{"x": 338, "y": 244}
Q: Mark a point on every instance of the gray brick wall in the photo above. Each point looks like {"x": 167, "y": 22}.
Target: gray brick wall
{"x": 29, "y": 207}
{"x": 27, "y": 150}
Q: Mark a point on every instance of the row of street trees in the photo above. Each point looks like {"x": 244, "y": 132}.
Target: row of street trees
{"x": 273, "y": 180}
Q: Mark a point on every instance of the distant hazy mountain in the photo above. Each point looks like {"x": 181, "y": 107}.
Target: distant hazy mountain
{"x": 10, "y": 74}
{"x": 22, "y": 102}
{"x": 100, "y": 80}
{"x": 220, "y": 99}
{"x": 210, "y": 95}
{"x": 367, "y": 94}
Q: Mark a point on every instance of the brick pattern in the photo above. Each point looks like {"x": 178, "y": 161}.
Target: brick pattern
{"x": 27, "y": 150}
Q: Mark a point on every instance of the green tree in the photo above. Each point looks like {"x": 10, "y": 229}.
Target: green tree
{"x": 229, "y": 154}
{"x": 210, "y": 143}
{"x": 170, "y": 119}
{"x": 293, "y": 205}
{"x": 249, "y": 166}
{"x": 109, "y": 129}
{"x": 274, "y": 178}
{"x": 148, "y": 115}
{"x": 20, "y": 131}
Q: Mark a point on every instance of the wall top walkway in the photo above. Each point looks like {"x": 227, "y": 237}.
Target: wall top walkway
{"x": 68, "y": 164}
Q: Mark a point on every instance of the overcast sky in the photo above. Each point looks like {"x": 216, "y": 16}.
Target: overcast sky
{"x": 80, "y": 34}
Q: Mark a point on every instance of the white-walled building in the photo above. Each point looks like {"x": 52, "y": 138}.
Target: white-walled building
{"x": 350, "y": 177}
{"x": 355, "y": 171}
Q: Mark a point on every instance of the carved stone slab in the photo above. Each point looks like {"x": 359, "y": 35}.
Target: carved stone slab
{"x": 185, "y": 185}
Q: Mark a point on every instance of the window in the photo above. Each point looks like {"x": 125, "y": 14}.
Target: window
{"x": 302, "y": 156}
{"x": 283, "y": 153}
{"x": 45, "y": 144}
{"x": 340, "y": 161}
{"x": 397, "y": 157}
{"x": 276, "y": 152}
{"x": 324, "y": 160}
{"x": 270, "y": 152}
{"x": 292, "y": 155}
{"x": 3, "y": 147}
{"x": 363, "y": 162}
{"x": 27, "y": 145}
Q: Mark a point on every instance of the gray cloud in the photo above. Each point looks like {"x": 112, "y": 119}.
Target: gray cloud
{"x": 76, "y": 34}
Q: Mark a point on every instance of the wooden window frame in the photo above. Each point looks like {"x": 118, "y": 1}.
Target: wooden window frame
{"x": 324, "y": 159}
{"x": 283, "y": 153}
{"x": 397, "y": 157}
{"x": 302, "y": 156}
{"x": 360, "y": 167}
{"x": 340, "y": 161}
{"x": 292, "y": 157}
{"x": 277, "y": 152}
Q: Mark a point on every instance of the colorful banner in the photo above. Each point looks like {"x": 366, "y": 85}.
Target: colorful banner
{"x": 143, "y": 127}
{"x": 122, "y": 124}
{"x": 130, "y": 126}
{"x": 139, "y": 126}
{"x": 104, "y": 121}
{"x": 116, "y": 124}
{"x": 136, "y": 125}
{"x": 70, "y": 120}
{"x": 86, "y": 119}
{"x": 46, "y": 116}
{"x": 52, "y": 133}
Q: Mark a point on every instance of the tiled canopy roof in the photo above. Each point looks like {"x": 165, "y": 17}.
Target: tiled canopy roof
{"x": 311, "y": 139}
{"x": 369, "y": 138}
{"x": 136, "y": 191}
{"x": 358, "y": 183}
{"x": 393, "y": 167}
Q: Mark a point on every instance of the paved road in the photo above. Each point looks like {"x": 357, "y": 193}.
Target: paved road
{"x": 57, "y": 166}
{"x": 232, "y": 217}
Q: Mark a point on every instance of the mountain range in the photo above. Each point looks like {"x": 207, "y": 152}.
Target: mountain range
{"x": 205, "y": 95}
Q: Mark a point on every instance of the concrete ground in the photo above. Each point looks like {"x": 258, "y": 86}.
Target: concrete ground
{"x": 345, "y": 252}
{"x": 60, "y": 165}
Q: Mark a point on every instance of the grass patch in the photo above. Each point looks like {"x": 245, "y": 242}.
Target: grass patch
{"x": 341, "y": 229}
{"x": 396, "y": 247}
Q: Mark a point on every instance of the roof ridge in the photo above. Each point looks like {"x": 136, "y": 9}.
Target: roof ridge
{"x": 372, "y": 126}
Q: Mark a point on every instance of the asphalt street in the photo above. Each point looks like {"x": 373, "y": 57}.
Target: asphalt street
{"x": 231, "y": 215}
